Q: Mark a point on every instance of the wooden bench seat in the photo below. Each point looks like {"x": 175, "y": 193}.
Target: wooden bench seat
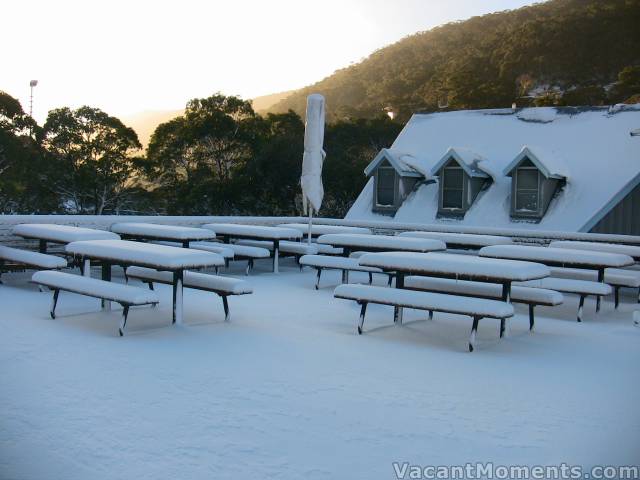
{"x": 526, "y": 295}
{"x": 222, "y": 286}
{"x": 477, "y": 308}
{"x": 583, "y": 288}
{"x": 125, "y": 295}
{"x": 325, "y": 262}
{"x": 616, "y": 277}
{"x": 17, "y": 259}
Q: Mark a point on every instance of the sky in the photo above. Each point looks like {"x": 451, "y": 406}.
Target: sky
{"x": 127, "y": 57}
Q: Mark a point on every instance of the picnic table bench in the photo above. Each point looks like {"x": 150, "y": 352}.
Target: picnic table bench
{"x": 228, "y": 231}
{"x": 345, "y": 264}
{"x": 616, "y": 277}
{"x": 12, "y": 259}
{"x": 631, "y": 250}
{"x": 154, "y": 231}
{"x": 476, "y": 308}
{"x": 460, "y": 241}
{"x": 221, "y": 286}
{"x": 62, "y": 234}
{"x": 317, "y": 230}
{"x": 125, "y": 295}
{"x": 160, "y": 257}
{"x": 455, "y": 266}
{"x": 561, "y": 257}
{"x": 532, "y": 297}
{"x": 350, "y": 242}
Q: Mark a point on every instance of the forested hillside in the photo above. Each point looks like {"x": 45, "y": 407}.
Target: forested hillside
{"x": 562, "y": 52}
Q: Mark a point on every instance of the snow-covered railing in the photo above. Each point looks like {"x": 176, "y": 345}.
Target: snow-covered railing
{"x": 104, "y": 222}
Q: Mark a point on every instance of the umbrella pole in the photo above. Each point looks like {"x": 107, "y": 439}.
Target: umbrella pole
{"x": 310, "y": 222}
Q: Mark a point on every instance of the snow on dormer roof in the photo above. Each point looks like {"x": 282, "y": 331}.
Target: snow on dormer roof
{"x": 474, "y": 164}
{"x": 547, "y": 161}
{"x": 407, "y": 165}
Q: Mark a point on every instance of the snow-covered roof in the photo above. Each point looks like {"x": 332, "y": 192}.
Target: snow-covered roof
{"x": 406, "y": 164}
{"x": 590, "y": 147}
{"x": 546, "y": 161}
{"x": 471, "y": 162}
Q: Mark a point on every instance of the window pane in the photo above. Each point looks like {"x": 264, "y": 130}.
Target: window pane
{"x": 452, "y": 178}
{"x": 386, "y": 184}
{"x": 452, "y": 198}
{"x": 527, "y": 179}
{"x": 527, "y": 201}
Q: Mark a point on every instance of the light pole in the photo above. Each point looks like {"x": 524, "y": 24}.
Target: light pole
{"x": 32, "y": 84}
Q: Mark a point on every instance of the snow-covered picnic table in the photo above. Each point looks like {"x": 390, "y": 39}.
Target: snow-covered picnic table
{"x": 561, "y": 257}
{"x": 317, "y": 230}
{"x": 49, "y": 232}
{"x": 456, "y": 266}
{"x": 462, "y": 241}
{"x": 631, "y": 250}
{"x": 376, "y": 243}
{"x": 159, "y": 257}
{"x": 228, "y": 231}
{"x": 154, "y": 231}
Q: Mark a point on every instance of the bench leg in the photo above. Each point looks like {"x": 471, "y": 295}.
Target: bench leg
{"x": 150, "y": 284}
{"x": 580, "y": 308}
{"x": 616, "y": 296}
{"x": 474, "y": 329}
{"x": 390, "y": 279}
{"x": 638, "y": 295}
{"x": 430, "y": 314}
{"x": 363, "y": 311}
{"x": 249, "y": 266}
{"x": 225, "y": 305}
{"x": 318, "y": 278}
{"x": 345, "y": 276}
{"x": 298, "y": 262}
{"x": 502, "y": 325}
{"x": 532, "y": 319}
{"x": 601, "y": 280}
{"x": 370, "y": 278}
{"x": 54, "y": 303}
{"x": 123, "y": 323}
{"x": 216, "y": 269}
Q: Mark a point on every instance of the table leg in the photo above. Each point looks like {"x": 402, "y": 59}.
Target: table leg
{"x": 276, "y": 254}
{"x": 42, "y": 246}
{"x": 106, "y": 276}
{"x": 397, "y": 311}
{"x": 86, "y": 269}
{"x": 177, "y": 296}
{"x": 506, "y": 297}
{"x": 185, "y": 244}
{"x": 601, "y": 280}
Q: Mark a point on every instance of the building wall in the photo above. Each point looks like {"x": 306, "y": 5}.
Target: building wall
{"x": 624, "y": 218}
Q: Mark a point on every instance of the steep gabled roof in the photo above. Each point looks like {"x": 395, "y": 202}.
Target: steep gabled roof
{"x": 547, "y": 162}
{"x": 590, "y": 147}
{"x": 471, "y": 162}
{"x": 405, "y": 164}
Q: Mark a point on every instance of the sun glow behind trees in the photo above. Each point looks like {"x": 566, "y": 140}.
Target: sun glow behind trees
{"x": 125, "y": 57}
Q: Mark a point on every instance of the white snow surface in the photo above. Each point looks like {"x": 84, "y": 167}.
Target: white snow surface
{"x": 567, "y": 257}
{"x": 254, "y": 231}
{"x": 336, "y": 262}
{"x": 145, "y": 254}
{"x": 167, "y": 232}
{"x": 387, "y": 242}
{"x": 586, "y": 143}
{"x": 426, "y": 300}
{"x": 285, "y": 246}
{"x": 436, "y": 263}
{"x": 95, "y": 287}
{"x": 324, "y": 229}
{"x": 61, "y": 233}
{"x": 630, "y": 250}
{"x": 28, "y": 257}
{"x": 568, "y": 285}
{"x": 288, "y": 390}
{"x": 612, "y": 276}
{"x": 466, "y": 239}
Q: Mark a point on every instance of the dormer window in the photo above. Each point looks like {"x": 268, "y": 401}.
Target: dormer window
{"x": 385, "y": 185}
{"x": 461, "y": 178}
{"x": 452, "y": 187}
{"x": 533, "y": 184}
{"x": 527, "y": 188}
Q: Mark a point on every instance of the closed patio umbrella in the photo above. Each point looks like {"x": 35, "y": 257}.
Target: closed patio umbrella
{"x": 313, "y": 157}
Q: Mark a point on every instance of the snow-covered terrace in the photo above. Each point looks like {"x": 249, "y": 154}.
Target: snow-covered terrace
{"x": 287, "y": 389}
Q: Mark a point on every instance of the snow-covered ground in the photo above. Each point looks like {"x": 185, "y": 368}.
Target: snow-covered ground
{"x": 287, "y": 390}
